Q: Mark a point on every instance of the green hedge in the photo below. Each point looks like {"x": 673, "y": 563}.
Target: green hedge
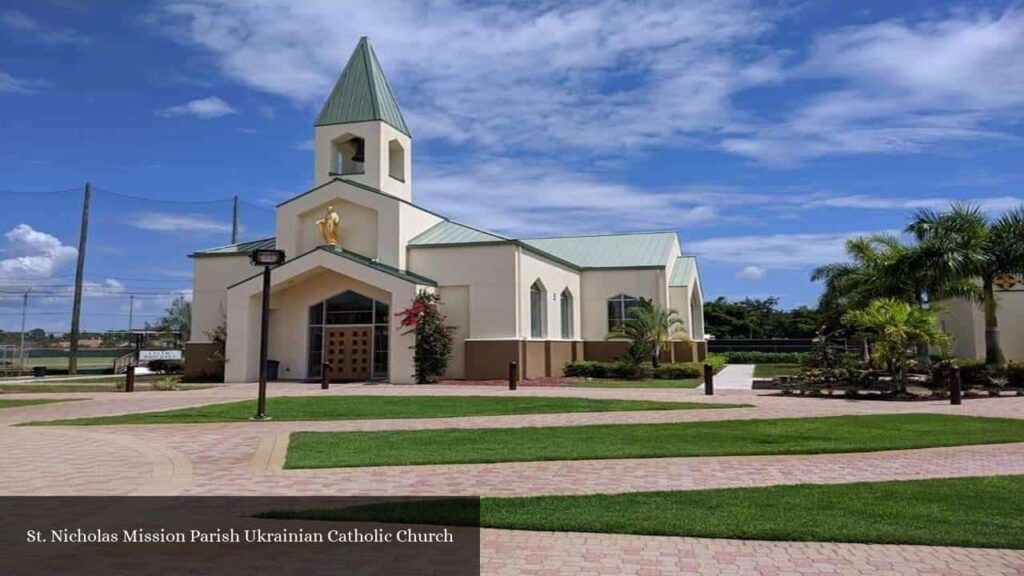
{"x": 167, "y": 366}
{"x": 975, "y": 373}
{"x": 753, "y": 357}
{"x": 674, "y": 371}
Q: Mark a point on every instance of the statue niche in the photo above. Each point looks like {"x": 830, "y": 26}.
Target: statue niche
{"x": 328, "y": 226}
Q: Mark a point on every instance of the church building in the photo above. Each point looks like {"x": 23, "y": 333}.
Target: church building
{"x": 358, "y": 250}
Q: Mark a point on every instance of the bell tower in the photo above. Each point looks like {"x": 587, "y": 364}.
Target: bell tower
{"x": 360, "y": 133}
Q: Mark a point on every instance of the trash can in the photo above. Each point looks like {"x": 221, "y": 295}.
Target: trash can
{"x": 272, "y": 368}
{"x": 38, "y": 371}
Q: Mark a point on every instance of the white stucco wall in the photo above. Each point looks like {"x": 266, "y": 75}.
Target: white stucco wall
{"x": 211, "y": 276}
{"x": 325, "y": 274}
{"x": 376, "y": 135}
{"x": 488, "y": 271}
{"x": 455, "y": 307}
{"x": 555, "y": 277}
{"x": 597, "y": 286}
{"x": 965, "y": 322}
{"x": 297, "y": 233}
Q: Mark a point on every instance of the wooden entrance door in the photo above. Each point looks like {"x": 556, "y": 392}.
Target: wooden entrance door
{"x": 348, "y": 351}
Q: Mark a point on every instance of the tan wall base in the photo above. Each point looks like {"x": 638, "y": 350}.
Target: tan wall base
{"x": 197, "y": 360}
{"x": 488, "y": 359}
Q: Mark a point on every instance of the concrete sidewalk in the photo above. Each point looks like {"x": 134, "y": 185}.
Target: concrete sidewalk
{"x": 735, "y": 377}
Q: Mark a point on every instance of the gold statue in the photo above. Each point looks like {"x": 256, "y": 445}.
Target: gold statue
{"x": 328, "y": 226}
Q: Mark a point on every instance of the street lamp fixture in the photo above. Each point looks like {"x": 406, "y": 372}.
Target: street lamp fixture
{"x": 267, "y": 259}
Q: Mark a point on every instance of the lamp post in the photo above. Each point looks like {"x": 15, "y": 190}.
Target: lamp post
{"x": 267, "y": 259}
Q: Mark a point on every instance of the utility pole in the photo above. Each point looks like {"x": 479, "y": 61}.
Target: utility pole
{"x": 131, "y": 311}
{"x": 234, "y": 221}
{"x": 76, "y": 307}
{"x": 24, "y": 311}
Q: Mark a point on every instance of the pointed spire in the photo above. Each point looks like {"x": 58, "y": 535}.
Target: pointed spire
{"x": 362, "y": 93}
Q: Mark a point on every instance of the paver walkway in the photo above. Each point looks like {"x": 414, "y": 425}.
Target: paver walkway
{"x": 735, "y": 377}
{"x": 244, "y": 458}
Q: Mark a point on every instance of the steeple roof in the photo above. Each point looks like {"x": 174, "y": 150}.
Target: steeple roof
{"x": 362, "y": 93}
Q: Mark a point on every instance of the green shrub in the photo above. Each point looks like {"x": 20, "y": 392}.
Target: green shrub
{"x": 717, "y": 361}
{"x": 167, "y": 366}
{"x": 673, "y": 371}
{"x": 679, "y": 371}
{"x": 752, "y": 357}
{"x": 1015, "y": 374}
{"x": 973, "y": 373}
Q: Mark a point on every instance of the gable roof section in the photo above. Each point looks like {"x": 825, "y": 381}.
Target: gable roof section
{"x": 362, "y": 93}
{"x": 451, "y": 233}
{"x": 644, "y": 250}
{"x": 240, "y": 249}
{"x": 683, "y": 271}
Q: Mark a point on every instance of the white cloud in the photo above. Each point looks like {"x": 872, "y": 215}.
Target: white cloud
{"x": 774, "y": 251}
{"x": 205, "y": 108}
{"x": 750, "y": 273}
{"x": 580, "y": 77}
{"x": 187, "y": 223}
{"x": 14, "y": 85}
{"x": 35, "y": 254}
{"x": 529, "y": 76}
{"x": 523, "y": 199}
{"x": 900, "y": 88}
{"x": 39, "y": 31}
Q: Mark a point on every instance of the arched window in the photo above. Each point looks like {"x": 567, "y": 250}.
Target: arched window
{"x": 538, "y": 310}
{"x": 567, "y": 319}
{"x": 396, "y": 160}
{"x": 618, "y": 309}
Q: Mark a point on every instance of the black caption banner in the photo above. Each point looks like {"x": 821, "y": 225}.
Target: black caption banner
{"x": 226, "y": 536}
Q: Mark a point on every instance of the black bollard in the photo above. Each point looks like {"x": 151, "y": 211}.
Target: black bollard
{"x": 325, "y": 382}
{"x": 954, "y": 386}
{"x": 513, "y": 375}
{"x": 709, "y": 379}
{"x": 129, "y": 378}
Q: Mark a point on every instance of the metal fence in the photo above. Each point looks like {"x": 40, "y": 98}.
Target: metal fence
{"x": 770, "y": 345}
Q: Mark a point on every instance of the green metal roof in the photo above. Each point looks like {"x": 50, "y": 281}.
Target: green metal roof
{"x": 240, "y": 249}
{"x": 683, "y": 271}
{"x": 449, "y": 232}
{"x": 609, "y": 251}
{"x": 362, "y": 93}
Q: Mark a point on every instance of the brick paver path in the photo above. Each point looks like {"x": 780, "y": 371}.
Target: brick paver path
{"x": 244, "y": 458}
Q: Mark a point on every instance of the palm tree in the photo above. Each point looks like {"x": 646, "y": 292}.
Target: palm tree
{"x": 663, "y": 325}
{"x": 650, "y": 329}
{"x": 964, "y": 246}
{"x": 896, "y": 326}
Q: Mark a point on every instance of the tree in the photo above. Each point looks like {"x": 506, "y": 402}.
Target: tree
{"x": 896, "y": 326}
{"x": 177, "y": 318}
{"x": 962, "y": 244}
{"x": 759, "y": 318}
{"x": 433, "y": 348}
{"x": 650, "y": 329}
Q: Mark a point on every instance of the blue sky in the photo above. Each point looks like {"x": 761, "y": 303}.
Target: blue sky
{"x": 765, "y": 133}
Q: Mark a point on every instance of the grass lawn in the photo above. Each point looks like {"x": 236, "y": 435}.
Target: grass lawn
{"x": 33, "y": 402}
{"x": 385, "y": 407}
{"x": 977, "y": 512}
{"x": 773, "y": 370}
{"x": 646, "y": 383}
{"x": 720, "y": 438}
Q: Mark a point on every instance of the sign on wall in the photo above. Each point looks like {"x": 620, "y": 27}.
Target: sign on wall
{"x": 159, "y": 355}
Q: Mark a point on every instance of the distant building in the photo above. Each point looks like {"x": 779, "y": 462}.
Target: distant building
{"x": 540, "y": 302}
{"x": 965, "y": 322}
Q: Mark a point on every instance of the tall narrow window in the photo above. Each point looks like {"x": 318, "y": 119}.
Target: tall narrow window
{"x": 618, "y": 309}
{"x": 396, "y": 160}
{"x": 538, "y": 308}
{"x": 567, "y": 320}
